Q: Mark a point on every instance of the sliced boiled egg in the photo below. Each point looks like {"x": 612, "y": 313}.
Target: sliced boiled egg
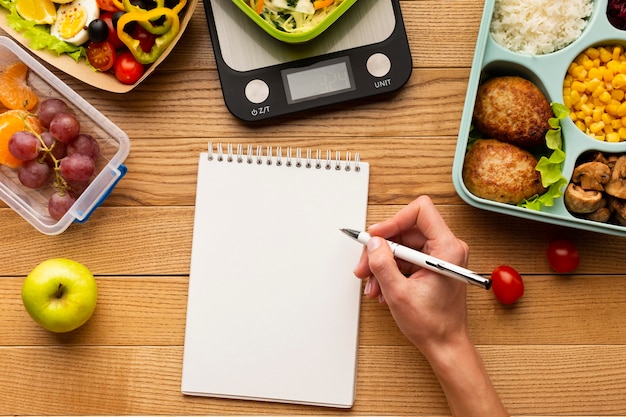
{"x": 302, "y": 6}
{"x": 73, "y": 19}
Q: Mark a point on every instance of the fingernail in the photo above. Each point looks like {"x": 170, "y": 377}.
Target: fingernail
{"x": 373, "y": 244}
{"x": 375, "y": 225}
{"x": 368, "y": 287}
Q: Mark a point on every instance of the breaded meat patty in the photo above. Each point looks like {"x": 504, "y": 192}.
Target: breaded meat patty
{"x": 500, "y": 171}
{"x": 512, "y": 109}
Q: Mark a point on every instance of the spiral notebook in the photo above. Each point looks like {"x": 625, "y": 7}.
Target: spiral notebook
{"x": 273, "y": 307}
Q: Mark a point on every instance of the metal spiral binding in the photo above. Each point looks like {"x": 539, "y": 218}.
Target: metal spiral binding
{"x": 289, "y": 158}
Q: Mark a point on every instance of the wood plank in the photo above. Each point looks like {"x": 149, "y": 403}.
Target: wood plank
{"x": 150, "y": 311}
{"x": 174, "y": 104}
{"x": 165, "y": 173}
{"x": 161, "y": 238}
{"x": 72, "y": 380}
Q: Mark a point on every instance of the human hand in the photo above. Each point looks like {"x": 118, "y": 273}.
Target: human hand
{"x": 430, "y": 309}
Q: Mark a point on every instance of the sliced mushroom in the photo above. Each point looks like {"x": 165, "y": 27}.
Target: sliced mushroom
{"x": 602, "y": 214}
{"x": 579, "y": 200}
{"x": 599, "y": 157}
{"x": 592, "y": 175}
{"x": 619, "y": 210}
{"x": 617, "y": 184}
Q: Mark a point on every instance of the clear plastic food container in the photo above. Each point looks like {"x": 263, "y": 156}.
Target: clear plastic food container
{"x": 32, "y": 204}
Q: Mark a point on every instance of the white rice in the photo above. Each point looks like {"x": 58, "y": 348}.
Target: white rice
{"x": 537, "y": 27}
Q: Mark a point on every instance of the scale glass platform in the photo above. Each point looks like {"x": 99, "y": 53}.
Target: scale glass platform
{"x": 364, "y": 53}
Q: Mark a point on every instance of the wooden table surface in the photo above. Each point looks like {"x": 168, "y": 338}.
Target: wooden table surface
{"x": 559, "y": 351}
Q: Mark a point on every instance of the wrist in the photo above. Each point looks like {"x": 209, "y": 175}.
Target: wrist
{"x": 463, "y": 377}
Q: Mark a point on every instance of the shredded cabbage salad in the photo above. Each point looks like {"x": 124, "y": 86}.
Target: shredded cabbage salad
{"x": 294, "y": 16}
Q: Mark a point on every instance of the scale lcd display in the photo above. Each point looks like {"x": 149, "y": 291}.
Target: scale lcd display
{"x": 319, "y": 80}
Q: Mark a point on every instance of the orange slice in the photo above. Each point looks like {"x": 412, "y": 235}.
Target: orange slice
{"x": 15, "y": 93}
{"x": 12, "y": 121}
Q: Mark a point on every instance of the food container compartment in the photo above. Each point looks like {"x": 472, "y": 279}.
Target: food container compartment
{"x": 105, "y": 81}
{"x": 299, "y": 37}
{"x": 547, "y": 72}
{"x": 32, "y": 204}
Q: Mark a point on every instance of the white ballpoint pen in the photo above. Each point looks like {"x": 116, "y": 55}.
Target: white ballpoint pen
{"x": 426, "y": 261}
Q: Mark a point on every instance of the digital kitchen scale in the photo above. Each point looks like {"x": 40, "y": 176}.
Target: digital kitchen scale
{"x": 364, "y": 53}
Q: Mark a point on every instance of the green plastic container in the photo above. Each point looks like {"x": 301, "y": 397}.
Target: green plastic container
{"x": 300, "y": 36}
{"x": 547, "y": 72}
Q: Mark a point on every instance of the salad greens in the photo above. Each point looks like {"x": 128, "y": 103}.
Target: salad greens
{"x": 39, "y": 35}
{"x": 293, "y": 16}
{"x": 550, "y": 167}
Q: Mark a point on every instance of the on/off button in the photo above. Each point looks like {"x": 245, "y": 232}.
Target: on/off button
{"x": 378, "y": 65}
{"x": 257, "y": 91}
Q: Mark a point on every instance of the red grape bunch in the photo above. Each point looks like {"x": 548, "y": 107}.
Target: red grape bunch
{"x": 61, "y": 155}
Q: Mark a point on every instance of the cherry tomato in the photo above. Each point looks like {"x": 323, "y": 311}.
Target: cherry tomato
{"x": 108, "y": 18}
{"x": 127, "y": 69}
{"x": 507, "y": 284}
{"x": 107, "y": 5}
{"x": 101, "y": 55}
{"x": 145, "y": 38}
{"x": 563, "y": 256}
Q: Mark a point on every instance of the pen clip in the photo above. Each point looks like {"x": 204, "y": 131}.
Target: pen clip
{"x": 471, "y": 278}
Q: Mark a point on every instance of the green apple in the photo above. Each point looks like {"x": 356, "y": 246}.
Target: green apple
{"x": 60, "y": 294}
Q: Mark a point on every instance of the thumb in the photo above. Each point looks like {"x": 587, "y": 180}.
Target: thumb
{"x": 383, "y": 265}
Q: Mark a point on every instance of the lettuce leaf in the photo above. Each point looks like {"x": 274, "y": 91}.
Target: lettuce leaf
{"x": 550, "y": 167}
{"x": 39, "y": 36}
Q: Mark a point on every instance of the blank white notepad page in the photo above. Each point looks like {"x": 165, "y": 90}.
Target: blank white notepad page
{"x": 273, "y": 306}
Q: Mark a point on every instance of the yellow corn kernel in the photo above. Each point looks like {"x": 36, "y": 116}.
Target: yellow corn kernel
{"x": 612, "y": 137}
{"x": 605, "y": 54}
{"x": 579, "y": 86}
{"x": 574, "y": 96}
{"x": 588, "y": 109}
{"x": 584, "y": 98}
{"x": 605, "y": 97}
{"x": 607, "y": 75}
{"x": 622, "y": 133}
{"x": 587, "y": 63}
{"x": 616, "y": 124}
{"x": 579, "y": 73}
{"x": 617, "y": 52}
{"x": 622, "y": 67}
{"x": 596, "y": 114}
{"x": 593, "y": 84}
{"x": 606, "y": 118}
{"x": 595, "y": 73}
{"x": 611, "y": 108}
{"x": 621, "y": 110}
{"x": 617, "y": 95}
{"x": 567, "y": 82}
{"x": 598, "y": 91}
{"x": 619, "y": 81}
{"x": 596, "y": 127}
{"x": 581, "y": 125}
{"x": 613, "y": 66}
{"x": 567, "y": 101}
{"x": 592, "y": 53}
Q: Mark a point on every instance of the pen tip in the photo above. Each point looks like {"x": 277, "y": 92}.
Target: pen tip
{"x": 352, "y": 233}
